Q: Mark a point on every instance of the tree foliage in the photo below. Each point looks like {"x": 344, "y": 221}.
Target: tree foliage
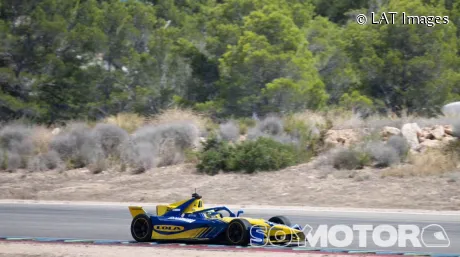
{"x": 87, "y": 59}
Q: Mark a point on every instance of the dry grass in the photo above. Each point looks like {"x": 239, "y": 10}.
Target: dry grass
{"x": 41, "y": 137}
{"x": 175, "y": 115}
{"x": 311, "y": 118}
{"x": 432, "y": 162}
{"x": 127, "y": 121}
{"x": 352, "y": 121}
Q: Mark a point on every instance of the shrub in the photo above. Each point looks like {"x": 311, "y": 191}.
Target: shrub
{"x": 229, "y": 131}
{"x": 44, "y": 162}
{"x": 109, "y": 138}
{"x": 13, "y": 161}
{"x": 213, "y": 157}
{"x": 271, "y": 125}
{"x": 140, "y": 155}
{"x": 349, "y": 159}
{"x": 433, "y": 162}
{"x": 169, "y": 153}
{"x": 162, "y": 145}
{"x": 127, "y": 121}
{"x": 245, "y": 124}
{"x": 400, "y": 145}
{"x": 184, "y": 135}
{"x": 176, "y": 115}
{"x": 41, "y": 138}
{"x": 75, "y": 145}
{"x": 255, "y": 133}
{"x": 11, "y": 134}
{"x": 304, "y": 133}
{"x": 286, "y": 139}
{"x": 312, "y": 119}
{"x": 297, "y": 127}
{"x": 95, "y": 158}
{"x": 17, "y": 144}
{"x": 263, "y": 154}
{"x": 382, "y": 155}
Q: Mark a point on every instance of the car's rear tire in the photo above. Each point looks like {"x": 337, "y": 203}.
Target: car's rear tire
{"x": 280, "y": 220}
{"x": 237, "y": 232}
{"x": 141, "y": 228}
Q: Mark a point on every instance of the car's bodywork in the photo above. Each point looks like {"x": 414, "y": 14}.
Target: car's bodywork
{"x": 189, "y": 220}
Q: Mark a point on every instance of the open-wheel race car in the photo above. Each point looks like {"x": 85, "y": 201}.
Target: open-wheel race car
{"x": 188, "y": 220}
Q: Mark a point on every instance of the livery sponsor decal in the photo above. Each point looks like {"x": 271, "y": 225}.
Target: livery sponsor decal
{"x": 168, "y": 228}
{"x": 182, "y": 219}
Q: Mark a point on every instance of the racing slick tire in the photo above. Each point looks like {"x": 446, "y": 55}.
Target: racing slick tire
{"x": 141, "y": 228}
{"x": 237, "y": 232}
{"x": 280, "y": 220}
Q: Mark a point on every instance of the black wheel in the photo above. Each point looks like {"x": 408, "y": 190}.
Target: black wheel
{"x": 237, "y": 232}
{"x": 280, "y": 220}
{"x": 141, "y": 228}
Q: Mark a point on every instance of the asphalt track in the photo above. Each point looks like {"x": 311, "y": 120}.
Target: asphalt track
{"x": 112, "y": 222}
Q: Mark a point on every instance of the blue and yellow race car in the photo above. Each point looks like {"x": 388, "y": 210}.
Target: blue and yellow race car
{"x": 188, "y": 220}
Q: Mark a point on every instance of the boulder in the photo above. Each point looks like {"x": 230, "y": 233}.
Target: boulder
{"x": 411, "y": 132}
{"x": 437, "y": 144}
{"x": 448, "y": 139}
{"x": 343, "y": 137}
{"x": 425, "y": 134}
{"x": 390, "y": 131}
{"x": 451, "y": 109}
{"x": 448, "y": 130}
{"x": 438, "y": 132}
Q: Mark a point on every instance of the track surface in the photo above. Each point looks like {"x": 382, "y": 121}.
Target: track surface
{"x": 113, "y": 222}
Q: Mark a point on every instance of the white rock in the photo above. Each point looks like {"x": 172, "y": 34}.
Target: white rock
{"x": 56, "y": 131}
{"x": 411, "y": 131}
{"x": 452, "y": 109}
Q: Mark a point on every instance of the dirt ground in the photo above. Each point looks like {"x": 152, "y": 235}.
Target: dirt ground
{"x": 301, "y": 185}
{"x": 61, "y": 250}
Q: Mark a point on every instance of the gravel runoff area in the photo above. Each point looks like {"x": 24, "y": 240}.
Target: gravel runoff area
{"x": 302, "y": 185}
{"x": 15, "y": 249}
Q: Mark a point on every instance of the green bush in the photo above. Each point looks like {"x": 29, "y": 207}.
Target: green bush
{"x": 307, "y": 135}
{"x": 245, "y": 124}
{"x": 212, "y": 158}
{"x": 263, "y": 154}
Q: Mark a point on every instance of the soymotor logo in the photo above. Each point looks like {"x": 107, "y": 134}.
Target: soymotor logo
{"x": 341, "y": 236}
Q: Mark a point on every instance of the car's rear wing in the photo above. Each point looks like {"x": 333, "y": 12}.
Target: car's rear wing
{"x": 136, "y": 210}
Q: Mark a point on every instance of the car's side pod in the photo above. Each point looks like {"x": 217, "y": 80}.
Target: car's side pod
{"x": 136, "y": 210}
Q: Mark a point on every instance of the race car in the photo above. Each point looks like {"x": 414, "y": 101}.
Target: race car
{"x": 188, "y": 220}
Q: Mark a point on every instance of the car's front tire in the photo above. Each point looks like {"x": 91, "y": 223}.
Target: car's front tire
{"x": 141, "y": 228}
{"x": 280, "y": 220}
{"x": 237, "y": 232}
